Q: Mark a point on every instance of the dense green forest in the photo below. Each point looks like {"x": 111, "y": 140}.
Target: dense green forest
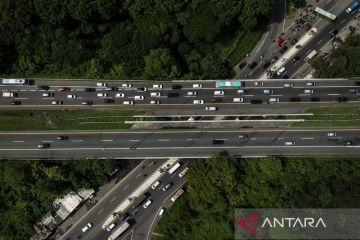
{"x": 219, "y": 185}
{"x": 343, "y": 61}
{"x": 157, "y": 39}
{"x": 29, "y": 187}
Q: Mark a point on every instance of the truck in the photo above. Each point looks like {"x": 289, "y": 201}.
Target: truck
{"x": 174, "y": 168}
{"x": 228, "y": 83}
{"x": 177, "y": 195}
{"x": 9, "y": 94}
{"x": 311, "y": 55}
{"x": 354, "y": 5}
{"x": 10, "y": 81}
{"x": 139, "y": 200}
{"x": 120, "y": 230}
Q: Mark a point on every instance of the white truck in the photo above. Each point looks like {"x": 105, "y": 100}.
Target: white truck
{"x": 118, "y": 231}
{"x": 177, "y": 195}
{"x": 9, "y": 81}
{"x": 9, "y": 94}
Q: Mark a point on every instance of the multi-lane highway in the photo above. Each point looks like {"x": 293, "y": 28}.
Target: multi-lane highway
{"x": 178, "y": 93}
{"x": 178, "y": 143}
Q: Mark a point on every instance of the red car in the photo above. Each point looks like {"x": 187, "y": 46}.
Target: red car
{"x": 63, "y": 89}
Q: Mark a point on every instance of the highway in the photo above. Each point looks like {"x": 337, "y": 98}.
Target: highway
{"x": 177, "y": 143}
{"x": 283, "y": 91}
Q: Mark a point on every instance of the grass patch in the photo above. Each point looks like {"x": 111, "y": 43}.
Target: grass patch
{"x": 331, "y": 117}
{"x": 16, "y": 120}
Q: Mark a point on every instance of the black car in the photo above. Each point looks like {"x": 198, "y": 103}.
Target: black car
{"x": 242, "y": 65}
{"x": 124, "y": 217}
{"x": 295, "y": 59}
{"x": 252, "y": 65}
{"x": 61, "y": 138}
{"x": 266, "y": 65}
{"x": 294, "y": 41}
{"x": 333, "y": 33}
{"x": 218, "y": 141}
{"x": 315, "y": 99}
{"x": 216, "y": 100}
{"x": 283, "y": 49}
{"x": 256, "y": 101}
{"x": 173, "y": 95}
{"x": 176, "y": 87}
{"x": 142, "y": 89}
{"x": 108, "y": 100}
{"x": 15, "y": 102}
{"x": 274, "y": 59}
{"x": 43, "y": 87}
{"x": 87, "y": 103}
{"x": 343, "y": 99}
{"x": 295, "y": 99}
{"x": 89, "y": 89}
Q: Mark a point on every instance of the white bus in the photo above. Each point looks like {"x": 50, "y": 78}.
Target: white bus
{"x": 120, "y": 230}
{"x": 174, "y": 168}
{"x": 311, "y": 55}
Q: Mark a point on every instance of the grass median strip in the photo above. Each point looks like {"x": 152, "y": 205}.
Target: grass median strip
{"x": 28, "y": 120}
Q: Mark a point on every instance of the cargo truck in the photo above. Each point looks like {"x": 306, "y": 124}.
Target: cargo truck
{"x": 118, "y": 231}
{"x": 354, "y": 5}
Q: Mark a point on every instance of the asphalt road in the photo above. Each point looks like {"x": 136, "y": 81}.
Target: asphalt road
{"x": 323, "y": 91}
{"x": 176, "y": 143}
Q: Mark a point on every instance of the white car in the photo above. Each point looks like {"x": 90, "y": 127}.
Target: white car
{"x": 154, "y": 102}
{"x": 162, "y": 211}
{"x": 56, "y": 102}
{"x": 158, "y": 86}
{"x": 331, "y": 134}
{"x": 288, "y": 85}
{"x": 241, "y": 91}
{"x": 126, "y": 85}
{"x": 128, "y": 102}
{"x": 211, "y": 108}
{"x": 155, "y": 184}
{"x": 48, "y": 94}
{"x": 191, "y": 93}
{"x": 258, "y": 83}
{"x": 272, "y": 100}
{"x": 99, "y": 84}
{"x": 198, "y": 102}
{"x": 140, "y": 98}
{"x": 110, "y": 227}
{"x": 310, "y": 84}
{"x": 268, "y": 91}
{"x": 102, "y": 94}
{"x": 183, "y": 172}
{"x": 219, "y": 93}
{"x": 148, "y": 203}
{"x": 308, "y": 91}
{"x": 119, "y": 95}
{"x": 238, "y": 100}
{"x": 87, "y": 227}
{"x": 281, "y": 71}
{"x": 197, "y": 85}
{"x": 71, "y": 96}
{"x": 155, "y": 94}
{"x": 289, "y": 143}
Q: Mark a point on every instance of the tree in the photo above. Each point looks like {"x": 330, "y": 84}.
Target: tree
{"x": 160, "y": 65}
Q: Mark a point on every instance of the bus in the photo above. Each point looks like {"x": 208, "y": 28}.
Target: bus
{"x": 174, "y": 168}
{"x": 9, "y": 81}
{"x": 325, "y": 14}
{"x": 177, "y": 195}
{"x": 311, "y": 55}
{"x": 228, "y": 83}
{"x": 118, "y": 231}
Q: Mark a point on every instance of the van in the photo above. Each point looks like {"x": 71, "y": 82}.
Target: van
{"x": 268, "y": 91}
{"x": 308, "y": 91}
{"x": 238, "y": 100}
{"x": 197, "y": 85}
{"x": 148, "y": 203}
{"x": 272, "y": 100}
{"x": 219, "y": 93}
{"x": 155, "y": 184}
{"x": 281, "y": 71}
{"x": 140, "y": 98}
{"x": 128, "y": 102}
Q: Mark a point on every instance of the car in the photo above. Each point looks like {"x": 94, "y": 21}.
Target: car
{"x": 173, "y": 94}
{"x": 167, "y": 186}
{"x": 128, "y": 102}
{"x": 273, "y": 100}
{"x": 295, "y": 59}
{"x": 123, "y": 217}
{"x": 158, "y": 86}
{"x": 162, "y": 211}
{"x": 100, "y": 84}
{"x": 333, "y": 33}
{"x": 48, "y": 94}
{"x": 198, "y": 101}
{"x": 62, "y": 138}
{"x": 268, "y": 91}
{"x": 294, "y": 41}
{"x": 15, "y": 102}
{"x": 63, "y": 89}
{"x": 154, "y": 102}
{"x": 348, "y": 143}
{"x": 87, "y": 227}
{"x": 256, "y": 101}
{"x": 242, "y": 65}
{"x": 353, "y": 90}
{"x": 56, "y": 102}
{"x": 241, "y": 91}
{"x": 216, "y": 100}
{"x": 197, "y": 85}
{"x": 108, "y": 100}
{"x": 176, "y": 87}
{"x": 86, "y": 103}
{"x": 89, "y": 89}
{"x": 126, "y": 85}
{"x": 43, "y": 145}
{"x": 252, "y": 65}
{"x": 308, "y": 91}
{"x": 310, "y": 84}
{"x": 119, "y": 95}
{"x": 43, "y": 87}
{"x": 102, "y": 94}
{"x": 295, "y": 99}
{"x": 281, "y": 71}
{"x": 191, "y": 93}
{"x": 238, "y": 100}
{"x": 274, "y": 59}
{"x": 258, "y": 83}
{"x": 283, "y": 49}
{"x": 218, "y": 141}
{"x": 315, "y": 99}
{"x": 110, "y": 227}
{"x": 183, "y": 172}
{"x": 343, "y": 99}
{"x": 211, "y": 108}
{"x": 155, "y": 94}
{"x": 139, "y": 98}
{"x": 288, "y": 85}
{"x": 219, "y": 93}
{"x": 331, "y": 134}
{"x": 243, "y": 136}
{"x": 289, "y": 143}
{"x": 147, "y": 203}
{"x": 110, "y": 89}
{"x": 141, "y": 89}
{"x": 155, "y": 184}
{"x": 266, "y": 65}
{"x": 71, "y": 96}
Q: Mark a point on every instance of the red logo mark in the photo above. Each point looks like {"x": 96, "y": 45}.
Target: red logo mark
{"x": 252, "y": 218}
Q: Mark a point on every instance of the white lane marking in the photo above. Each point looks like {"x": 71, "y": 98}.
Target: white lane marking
{"x": 250, "y": 95}
{"x": 21, "y": 98}
{"x": 107, "y": 140}
{"x": 252, "y": 139}
{"x": 77, "y": 140}
{"x": 17, "y": 141}
{"x": 281, "y": 138}
{"x": 47, "y": 141}
{"x": 99, "y": 211}
{"x": 125, "y": 187}
{"x": 262, "y": 42}
{"x": 113, "y": 199}
{"x": 134, "y": 140}
{"x": 278, "y": 95}
{"x": 23, "y": 90}
{"x": 333, "y": 94}
{"x": 342, "y": 21}
{"x": 163, "y": 140}
{"x": 319, "y": 41}
{"x": 137, "y": 176}
{"x": 307, "y": 138}
{"x": 32, "y": 90}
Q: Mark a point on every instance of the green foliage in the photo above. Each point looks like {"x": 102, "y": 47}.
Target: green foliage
{"x": 114, "y": 39}
{"x": 219, "y": 185}
{"x": 343, "y": 61}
